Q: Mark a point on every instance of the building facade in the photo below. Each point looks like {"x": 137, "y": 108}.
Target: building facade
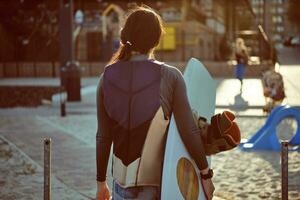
{"x": 194, "y": 28}
{"x": 272, "y": 15}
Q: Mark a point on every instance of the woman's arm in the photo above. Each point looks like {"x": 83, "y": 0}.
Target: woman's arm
{"x": 189, "y": 132}
{"x": 103, "y": 137}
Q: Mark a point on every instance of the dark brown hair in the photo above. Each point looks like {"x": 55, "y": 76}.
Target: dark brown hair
{"x": 141, "y": 33}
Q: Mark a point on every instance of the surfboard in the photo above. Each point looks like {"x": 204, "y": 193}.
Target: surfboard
{"x": 181, "y": 177}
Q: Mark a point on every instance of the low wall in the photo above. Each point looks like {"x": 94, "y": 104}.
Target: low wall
{"x": 88, "y": 69}
{"x": 223, "y": 69}
{"x": 31, "y": 96}
{"x": 45, "y": 69}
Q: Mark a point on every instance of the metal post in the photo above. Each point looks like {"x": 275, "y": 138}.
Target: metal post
{"x": 62, "y": 102}
{"x": 47, "y": 168}
{"x": 66, "y": 31}
{"x": 284, "y": 170}
{"x": 70, "y": 70}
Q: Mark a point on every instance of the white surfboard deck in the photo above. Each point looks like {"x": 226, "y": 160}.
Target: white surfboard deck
{"x": 201, "y": 91}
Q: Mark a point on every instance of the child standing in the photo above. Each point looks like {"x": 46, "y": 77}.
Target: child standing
{"x": 241, "y": 56}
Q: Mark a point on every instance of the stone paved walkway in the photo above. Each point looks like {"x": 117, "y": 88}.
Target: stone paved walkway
{"x": 73, "y": 160}
{"x": 22, "y": 178}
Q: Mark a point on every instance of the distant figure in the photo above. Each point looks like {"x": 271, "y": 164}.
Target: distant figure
{"x": 273, "y": 89}
{"x": 241, "y": 56}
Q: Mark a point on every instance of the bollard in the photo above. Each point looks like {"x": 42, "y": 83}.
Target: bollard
{"x": 63, "y": 109}
{"x": 284, "y": 170}
{"x": 62, "y": 103}
{"x": 47, "y": 168}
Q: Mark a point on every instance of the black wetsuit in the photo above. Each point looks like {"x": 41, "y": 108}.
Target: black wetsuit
{"x": 129, "y": 96}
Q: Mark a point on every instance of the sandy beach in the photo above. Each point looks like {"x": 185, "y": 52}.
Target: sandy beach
{"x": 256, "y": 175}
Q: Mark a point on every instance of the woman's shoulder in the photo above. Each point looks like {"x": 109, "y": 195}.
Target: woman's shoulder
{"x": 110, "y": 66}
{"x": 115, "y": 69}
{"x": 169, "y": 70}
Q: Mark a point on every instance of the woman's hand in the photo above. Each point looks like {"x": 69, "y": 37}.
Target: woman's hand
{"x": 103, "y": 191}
{"x": 208, "y": 188}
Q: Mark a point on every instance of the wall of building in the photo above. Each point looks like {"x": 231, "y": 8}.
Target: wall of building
{"x": 7, "y": 49}
{"x": 272, "y": 15}
{"x": 199, "y": 38}
{"x": 193, "y": 38}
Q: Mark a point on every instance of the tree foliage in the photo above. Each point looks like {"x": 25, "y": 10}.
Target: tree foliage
{"x": 31, "y": 26}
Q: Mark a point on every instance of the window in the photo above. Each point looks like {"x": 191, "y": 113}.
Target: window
{"x": 280, "y": 28}
{"x": 280, "y": 10}
{"x": 276, "y": 37}
{"x": 277, "y": 19}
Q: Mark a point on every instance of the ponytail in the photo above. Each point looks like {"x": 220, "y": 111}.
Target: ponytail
{"x": 123, "y": 53}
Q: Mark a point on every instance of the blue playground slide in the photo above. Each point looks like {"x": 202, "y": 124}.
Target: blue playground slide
{"x": 266, "y": 138}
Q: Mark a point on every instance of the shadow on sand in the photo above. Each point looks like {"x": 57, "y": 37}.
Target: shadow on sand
{"x": 239, "y": 103}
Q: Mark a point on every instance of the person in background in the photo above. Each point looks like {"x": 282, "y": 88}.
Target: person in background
{"x": 241, "y": 55}
{"x": 136, "y": 97}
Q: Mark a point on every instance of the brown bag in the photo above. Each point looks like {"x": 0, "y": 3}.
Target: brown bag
{"x": 222, "y": 134}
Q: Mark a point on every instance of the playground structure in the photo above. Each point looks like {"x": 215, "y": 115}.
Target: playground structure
{"x": 266, "y": 138}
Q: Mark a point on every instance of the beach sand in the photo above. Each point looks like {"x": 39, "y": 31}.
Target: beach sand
{"x": 256, "y": 175}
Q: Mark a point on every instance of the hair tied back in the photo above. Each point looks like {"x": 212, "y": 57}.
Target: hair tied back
{"x": 128, "y": 43}
{"x": 128, "y": 47}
